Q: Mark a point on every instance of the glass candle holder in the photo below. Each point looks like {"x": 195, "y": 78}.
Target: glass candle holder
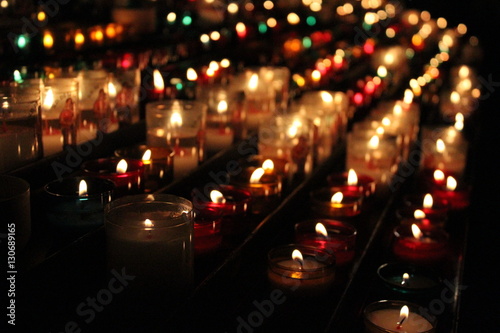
{"x": 335, "y": 237}
{"x": 158, "y": 164}
{"x": 74, "y": 208}
{"x": 61, "y": 116}
{"x": 265, "y": 189}
{"x": 351, "y": 181}
{"x": 20, "y": 137}
{"x": 424, "y": 244}
{"x": 344, "y": 205}
{"x": 289, "y": 137}
{"x": 451, "y": 159}
{"x": 127, "y": 85}
{"x": 280, "y": 166}
{"x": 457, "y": 194}
{"x": 180, "y": 126}
{"x": 308, "y": 273}
{"x": 385, "y": 316}
{"x": 94, "y": 98}
{"x": 127, "y": 174}
{"x": 207, "y": 231}
{"x": 409, "y": 278}
{"x": 16, "y": 209}
{"x": 150, "y": 236}
{"x": 234, "y": 205}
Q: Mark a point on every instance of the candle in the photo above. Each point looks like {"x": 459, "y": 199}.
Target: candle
{"x": 335, "y": 202}
{"x": 15, "y": 209}
{"x": 150, "y": 236}
{"x": 408, "y": 278}
{"x": 259, "y": 100}
{"x": 185, "y": 161}
{"x": 300, "y": 270}
{"x": 449, "y": 158}
{"x": 75, "y": 205}
{"x": 457, "y": 196}
{"x": 418, "y": 243}
{"x": 280, "y": 166}
{"x": 335, "y": 237}
{"x": 127, "y": 174}
{"x": 353, "y": 182}
{"x": 234, "y": 204}
{"x": 265, "y": 188}
{"x": 158, "y": 164}
{"x": 396, "y": 316}
{"x": 424, "y": 207}
{"x": 207, "y": 231}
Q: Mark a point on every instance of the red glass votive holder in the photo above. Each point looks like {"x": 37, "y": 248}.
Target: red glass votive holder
{"x": 233, "y": 206}
{"x": 429, "y": 247}
{"x": 310, "y": 275}
{"x": 281, "y": 165}
{"x": 322, "y": 204}
{"x": 458, "y": 198}
{"x": 207, "y": 231}
{"x": 413, "y": 214}
{"x": 266, "y": 193}
{"x": 335, "y": 237}
{"x": 128, "y": 182}
{"x": 365, "y": 184}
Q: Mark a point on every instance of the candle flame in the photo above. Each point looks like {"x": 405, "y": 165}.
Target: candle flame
{"x": 415, "y": 230}
{"x": 326, "y": 97}
{"x": 122, "y": 166}
{"x": 419, "y": 214}
{"x": 337, "y": 198}
{"x": 256, "y": 175}
{"x": 191, "y": 74}
{"x": 374, "y": 142}
{"x": 380, "y": 130}
{"x": 455, "y": 97}
{"x": 386, "y": 121}
{"x": 254, "y": 82}
{"x": 406, "y": 277}
{"x": 403, "y": 314}
{"x": 321, "y": 230}
{"x": 440, "y": 146}
{"x": 428, "y": 201}
{"x": 111, "y": 90}
{"x": 158, "y": 80}
{"x": 222, "y": 107}
{"x": 268, "y": 165}
{"x": 398, "y": 110}
{"x": 438, "y": 175}
{"x": 217, "y": 197}
{"x": 451, "y": 183}
{"x": 82, "y": 188}
{"x": 147, "y": 155}
{"x": 463, "y": 72}
{"x": 49, "y": 99}
{"x": 352, "y": 178}
{"x": 408, "y": 97}
{"x": 176, "y": 119}
{"x": 297, "y": 256}
{"x": 148, "y": 223}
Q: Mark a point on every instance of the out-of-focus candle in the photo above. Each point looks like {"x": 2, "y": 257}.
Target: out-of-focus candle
{"x": 396, "y": 316}
{"x": 409, "y": 278}
{"x": 353, "y": 182}
{"x": 335, "y": 203}
{"x": 207, "y": 231}
{"x": 301, "y": 270}
{"x": 336, "y": 237}
{"x": 456, "y": 194}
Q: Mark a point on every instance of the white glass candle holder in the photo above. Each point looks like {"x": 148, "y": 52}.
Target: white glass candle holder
{"x": 150, "y": 236}
{"x": 125, "y": 97}
{"x": 94, "y": 102}
{"x": 180, "y": 126}
{"x": 20, "y": 137}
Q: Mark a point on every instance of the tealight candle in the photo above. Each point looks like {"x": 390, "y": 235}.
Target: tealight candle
{"x": 150, "y": 236}
{"x": 75, "y": 205}
{"x": 127, "y": 174}
{"x": 336, "y": 237}
{"x": 157, "y": 164}
{"x": 207, "y": 231}
{"x": 408, "y": 278}
{"x": 353, "y": 182}
{"x": 301, "y": 270}
{"x": 428, "y": 210}
{"x": 265, "y": 188}
{"x": 417, "y": 243}
{"x": 231, "y": 202}
{"x": 396, "y": 316}
{"x": 458, "y": 196}
{"x": 336, "y": 203}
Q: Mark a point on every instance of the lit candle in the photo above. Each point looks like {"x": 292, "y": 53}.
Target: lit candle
{"x": 396, "y": 316}
{"x": 335, "y": 237}
{"x": 302, "y": 270}
{"x": 127, "y": 174}
{"x": 207, "y": 231}
{"x": 353, "y": 182}
{"x": 419, "y": 243}
{"x": 335, "y": 203}
{"x": 408, "y": 278}
{"x": 75, "y": 205}
{"x": 219, "y": 134}
{"x": 150, "y": 236}
{"x": 424, "y": 206}
{"x": 457, "y": 196}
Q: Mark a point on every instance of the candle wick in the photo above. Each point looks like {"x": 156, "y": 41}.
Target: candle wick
{"x": 400, "y": 322}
